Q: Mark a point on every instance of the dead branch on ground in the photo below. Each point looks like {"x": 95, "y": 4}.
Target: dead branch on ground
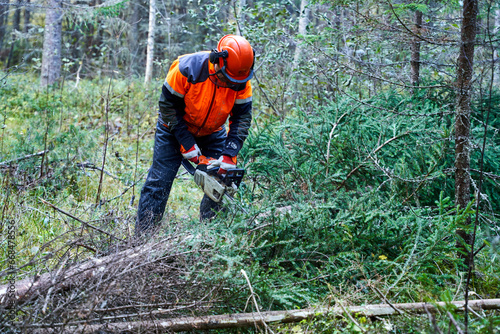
{"x": 260, "y": 318}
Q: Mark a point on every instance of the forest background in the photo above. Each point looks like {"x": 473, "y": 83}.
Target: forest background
{"x": 373, "y": 163}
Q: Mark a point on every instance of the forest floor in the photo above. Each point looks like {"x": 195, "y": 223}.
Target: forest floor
{"x": 73, "y": 161}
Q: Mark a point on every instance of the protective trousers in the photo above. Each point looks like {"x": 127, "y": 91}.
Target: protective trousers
{"x": 166, "y": 162}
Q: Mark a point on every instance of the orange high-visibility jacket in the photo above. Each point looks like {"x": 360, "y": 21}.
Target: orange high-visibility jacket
{"x": 191, "y": 105}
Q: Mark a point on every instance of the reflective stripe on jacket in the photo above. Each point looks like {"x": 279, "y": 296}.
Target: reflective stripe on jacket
{"x": 191, "y": 105}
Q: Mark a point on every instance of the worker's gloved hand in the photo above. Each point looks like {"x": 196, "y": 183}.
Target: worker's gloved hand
{"x": 192, "y": 154}
{"x": 204, "y": 162}
{"x": 224, "y": 163}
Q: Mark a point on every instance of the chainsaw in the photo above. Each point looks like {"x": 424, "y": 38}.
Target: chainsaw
{"x": 216, "y": 186}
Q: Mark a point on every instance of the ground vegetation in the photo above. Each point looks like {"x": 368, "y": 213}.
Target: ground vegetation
{"x": 351, "y": 195}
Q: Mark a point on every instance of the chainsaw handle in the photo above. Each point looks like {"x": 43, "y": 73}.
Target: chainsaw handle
{"x": 203, "y": 162}
{"x": 188, "y": 166}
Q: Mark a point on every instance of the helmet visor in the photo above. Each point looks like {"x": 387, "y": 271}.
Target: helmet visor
{"x": 240, "y": 81}
{"x": 225, "y": 83}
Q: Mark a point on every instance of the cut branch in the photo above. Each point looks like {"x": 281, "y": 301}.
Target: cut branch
{"x": 62, "y": 280}
{"x": 252, "y": 319}
{"x": 8, "y": 162}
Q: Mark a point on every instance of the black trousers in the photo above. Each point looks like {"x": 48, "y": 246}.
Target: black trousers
{"x": 166, "y": 162}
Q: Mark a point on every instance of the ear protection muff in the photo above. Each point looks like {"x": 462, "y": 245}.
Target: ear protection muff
{"x": 215, "y": 55}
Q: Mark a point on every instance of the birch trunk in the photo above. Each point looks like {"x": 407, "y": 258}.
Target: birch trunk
{"x": 463, "y": 111}
{"x": 241, "y": 17}
{"x": 51, "y": 58}
{"x": 151, "y": 42}
{"x": 303, "y": 21}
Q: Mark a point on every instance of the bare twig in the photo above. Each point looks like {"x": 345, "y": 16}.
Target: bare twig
{"x": 471, "y": 310}
{"x": 385, "y": 299}
{"x": 8, "y": 162}
{"x": 71, "y": 276}
{"x": 54, "y": 279}
{"x": 330, "y": 140}
{"x": 432, "y": 319}
{"x": 454, "y": 322}
{"x": 411, "y": 32}
{"x": 126, "y": 190}
{"x": 139, "y": 306}
{"x": 243, "y": 272}
{"x": 105, "y": 149}
{"x": 90, "y": 165}
{"x": 350, "y": 317}
{"x": 369, "y": 155}
{"x": 265, "y": 94}
{"x": 78, "y": 219}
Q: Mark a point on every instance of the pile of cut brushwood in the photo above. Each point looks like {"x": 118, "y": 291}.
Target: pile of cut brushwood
{"x": 152, "y": 287}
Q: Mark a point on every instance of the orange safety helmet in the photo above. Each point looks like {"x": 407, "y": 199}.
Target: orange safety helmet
{"x": 235, "y": 57}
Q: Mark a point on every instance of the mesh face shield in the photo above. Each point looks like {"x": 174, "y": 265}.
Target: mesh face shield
{"x": 226, "y": 75}
{"x": 222, "y": 83}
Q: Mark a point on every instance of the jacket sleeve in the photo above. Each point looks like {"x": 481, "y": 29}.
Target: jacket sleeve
{"x": 239, "y": 122}
{"x": 172, "y": 106}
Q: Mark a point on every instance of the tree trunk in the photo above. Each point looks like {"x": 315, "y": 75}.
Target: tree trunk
{"x": 415, "y": 50}
{"x": 463, "y": 112}
{"x": 133, "y": 39}
{"x": 27, "y": 16}
{"x": 241, "y": 17}
{"x": 303, "y": 21}
{"x": 4, "y": 11}
{"x": 151, "y": 42}
{"x": 51, "y": 58}
{"x": 70, "y": 277}
{"x": 241, "y": 320}
{"x": 16, "y": 22}
{"x": 495, "y": 31}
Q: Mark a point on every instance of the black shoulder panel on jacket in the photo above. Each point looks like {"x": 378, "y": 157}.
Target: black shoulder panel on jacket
{"x": 194, "y": 67}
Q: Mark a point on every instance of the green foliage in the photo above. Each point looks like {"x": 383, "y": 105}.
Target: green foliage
{"x": 350, "y": 181}
{"x": 405, "y": 7}
{"x": 111, "y": 11}
{"x": 69, "y": 124}
{"x": 392, "y": 219}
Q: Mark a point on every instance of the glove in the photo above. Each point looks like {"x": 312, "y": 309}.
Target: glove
{"x": 224, "y": 163}
{"x": 204, "y": 162}
{"x": 192, "y": 154}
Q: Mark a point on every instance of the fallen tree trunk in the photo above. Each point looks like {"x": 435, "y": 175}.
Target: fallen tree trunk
{"x": 253, "y": 319}
{"x": 64, "y": 278}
